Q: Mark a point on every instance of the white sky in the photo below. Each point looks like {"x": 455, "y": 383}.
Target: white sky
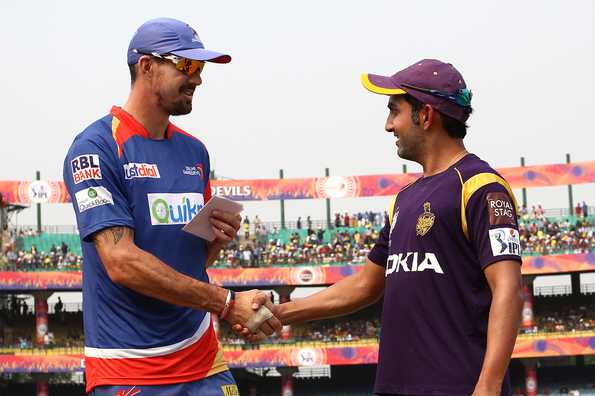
{"x": 291, "y": 98}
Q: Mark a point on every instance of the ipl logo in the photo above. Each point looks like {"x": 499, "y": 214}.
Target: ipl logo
{"x": 39, "y": 192}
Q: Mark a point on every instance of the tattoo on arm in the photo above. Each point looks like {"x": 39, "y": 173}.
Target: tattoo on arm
{"x": 111, "y": 235}
{"x": 117, "y": 233}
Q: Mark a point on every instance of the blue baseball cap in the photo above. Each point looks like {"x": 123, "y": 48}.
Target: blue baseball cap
{"x": 170, "y": 36}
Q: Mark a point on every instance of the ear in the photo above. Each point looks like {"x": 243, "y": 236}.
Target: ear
{"x": 427, "y": 116}
{"x": 145, "y": 67}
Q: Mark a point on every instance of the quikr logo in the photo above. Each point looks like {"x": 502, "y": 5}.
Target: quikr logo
{"x": 166, "y": 209}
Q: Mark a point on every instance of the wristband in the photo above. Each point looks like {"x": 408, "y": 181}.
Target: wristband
{"x": 229, "y": 300}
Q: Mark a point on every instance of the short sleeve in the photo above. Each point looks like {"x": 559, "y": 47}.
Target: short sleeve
{"x": 207, "y": 188}
{"x": 379, "y": 253}
{"x": 95, "y": 187}
{"x": 493, "y": 226}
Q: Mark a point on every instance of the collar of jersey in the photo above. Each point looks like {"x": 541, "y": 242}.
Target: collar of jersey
{"x": 130, "y": 126}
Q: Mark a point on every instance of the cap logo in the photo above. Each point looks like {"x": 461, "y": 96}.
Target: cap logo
{"x": 195, "y": 38}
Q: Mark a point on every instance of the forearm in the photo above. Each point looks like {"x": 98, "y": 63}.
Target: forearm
{"x": 346, "y": 296}
{"x": 148, "y": 275}
{"x": 503, "y": 326}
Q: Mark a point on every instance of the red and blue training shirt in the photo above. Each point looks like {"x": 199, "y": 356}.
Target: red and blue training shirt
{"x": 118, "y": 176}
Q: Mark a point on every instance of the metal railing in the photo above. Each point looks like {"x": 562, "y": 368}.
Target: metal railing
{"x": 49, "y": 229}
{"x": 271, "y": 225}
{"x": 587, "y": 288}
{"x": 552, "y": 290}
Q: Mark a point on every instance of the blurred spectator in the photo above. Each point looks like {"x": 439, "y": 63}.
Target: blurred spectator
{"x": 542, "y": 236}
{"x": 578, "y": 210}
{"x": 246, "y": 226}
{"x": 298, "y": 224}
{"x": 345, "y": 247}
{"x": 40, "y": 261}
{"x": 64, "y": 248}
{"x": 539, "y": 236}
{"x": 59, "y": 306}
{"x": 562, "y": 314}
{"x": 585, "y": 210}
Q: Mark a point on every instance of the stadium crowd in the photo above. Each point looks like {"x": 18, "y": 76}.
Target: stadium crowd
{"x": 541, "y": 235}
{"x": 346, "y": 246}
{"x": 17, "y": 325}
{"x": 340, "y": 330}
{"x": 562, "y": 314}
{"x": 348, "y": 240}
{"x": 33, "y": 260}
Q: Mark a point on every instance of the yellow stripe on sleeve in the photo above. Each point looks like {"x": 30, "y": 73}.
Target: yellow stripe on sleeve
{"x": 391, "y": 210}
{"x": 472, "y": 185}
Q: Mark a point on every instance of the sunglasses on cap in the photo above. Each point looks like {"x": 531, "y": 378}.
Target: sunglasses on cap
{"x": 461, "y": 98}
{"x": 185, "y": 65}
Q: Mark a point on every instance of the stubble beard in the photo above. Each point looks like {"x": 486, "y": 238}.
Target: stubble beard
{"x": 411, "y": 148}
{"x": 179, "y": 106}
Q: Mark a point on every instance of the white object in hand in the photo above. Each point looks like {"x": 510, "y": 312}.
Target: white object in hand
{"x": 262, "y": 315}
{"x": 200, "y": 224}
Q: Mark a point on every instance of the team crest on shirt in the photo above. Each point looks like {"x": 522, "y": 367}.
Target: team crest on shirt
{"x": 196, "y": 170}
{"x": 425, "y": 221}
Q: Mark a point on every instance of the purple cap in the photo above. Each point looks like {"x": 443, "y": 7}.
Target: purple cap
{"x": 170, "y": 36}
{"x": 430, "y": 81}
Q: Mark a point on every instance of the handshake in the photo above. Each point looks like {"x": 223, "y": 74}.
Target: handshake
{"x": 252, "y": 315}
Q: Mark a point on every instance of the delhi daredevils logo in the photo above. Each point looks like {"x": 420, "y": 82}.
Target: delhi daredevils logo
{"x": 336, "y": 187}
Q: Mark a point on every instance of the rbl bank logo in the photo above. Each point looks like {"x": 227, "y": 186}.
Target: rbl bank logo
{"x": 85, "y": 167}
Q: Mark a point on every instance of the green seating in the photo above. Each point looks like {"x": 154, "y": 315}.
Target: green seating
{"x": 285, "y": 234}
{"x": 44, "y": 242}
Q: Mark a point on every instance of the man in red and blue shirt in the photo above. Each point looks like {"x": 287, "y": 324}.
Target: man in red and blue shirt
{"x": 135, "y": 180}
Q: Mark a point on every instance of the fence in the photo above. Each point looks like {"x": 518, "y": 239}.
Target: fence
{"x": 556, "y": 290}
{"x": 276, "y": 225}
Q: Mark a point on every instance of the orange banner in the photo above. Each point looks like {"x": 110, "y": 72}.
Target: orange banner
{"x": 549, "y": 346}
{"x": 539, "y": 265}
{"x": 304, "y": 356}
{"x": 24, "y": 192}
{"x": 301, "y": 275}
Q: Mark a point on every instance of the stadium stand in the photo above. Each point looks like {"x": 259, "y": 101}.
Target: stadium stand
{"x": 348, "y": 241}
{"x": 306, "y": 242}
